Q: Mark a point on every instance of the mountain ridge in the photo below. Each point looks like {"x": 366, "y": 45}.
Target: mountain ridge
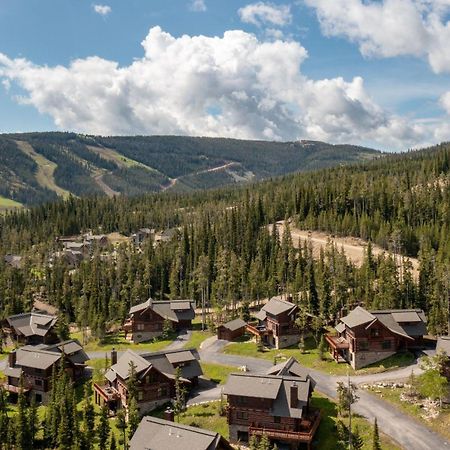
{"x": 40, "y": 167}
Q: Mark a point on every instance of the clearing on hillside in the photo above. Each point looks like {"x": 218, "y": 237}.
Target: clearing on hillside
{"x": 46, "y": 169}
{"x": 353, "y": 247}
{"x": 6, "y": 203}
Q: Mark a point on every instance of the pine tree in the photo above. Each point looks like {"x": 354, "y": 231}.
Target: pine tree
{"x": 23, "y": 437}
{"x": 357, "y": 440}
{"x": 103, "y": 427}
{"x": 322, "y": 348}
{"x": 33, "y": 421}
{"x": 121, "y": 425}
{"x": 180, "y": 392}
{"x": 376, "y": 444}
{"x": 113, "y": 445}
{"x": 88, "y": 417}
{"x": 264, "y": 443}
{"x": 133, "y": 417}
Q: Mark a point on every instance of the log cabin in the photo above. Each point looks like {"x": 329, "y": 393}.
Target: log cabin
{"x": 231, "y": 330}
{"x": 277, "y": 326}
{"x": 276, "y": 404}
{"x": 31, "y": 328}
{"x": 35, "y": 365}
{"x": 155, "y": 377}
{"x": 366, "y": 337}
{"x": 146, "y": 320}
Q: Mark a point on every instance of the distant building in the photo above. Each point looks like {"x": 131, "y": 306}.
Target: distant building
{"x": 146, "y": 320}
{"x": 231, "y": 330}
{"x": 365, "y": 337}
{"x": 277, "y": 326}
{"x": 158, "y": 434}
{"x": 155, "y": 373}
{"x": 32, "y": 328}
{"x": 35, "y": 364}
{"x": 141, "y": 235}
{"x": 165, "y": 235}
{"x": 275, "y": 404}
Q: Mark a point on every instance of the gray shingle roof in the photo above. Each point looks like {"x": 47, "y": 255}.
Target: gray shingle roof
{"x": 165, "y": 362}
{"x": 122, "y": 367}
{"x": 357, "y": 317}
{"x": 273, "y": 387}
{"x": 158, "y": 434}
{"x": 174, "y": 310}
{"x": 32, "y": 323}
{"x": 234, "y": 324}
{"x": 403, "y": 327}
{"x": 29, "y": 356}
{"x": 276, "y": 306}
{"x": 290, "y": 367}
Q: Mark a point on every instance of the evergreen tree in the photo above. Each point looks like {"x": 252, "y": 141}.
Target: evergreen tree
{"x": 133, "y": 417}
{"x": 103, "y": 427}
{"x": 357, "y": 440}
{"x": 88, "y": 417}
{"x": 376, "y": 444}
{"x": 180, "y": 393}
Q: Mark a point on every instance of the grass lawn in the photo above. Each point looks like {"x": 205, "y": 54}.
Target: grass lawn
{"x": 205, "y": 416}
{"x": 217, "y": 372}
{"x": 197, "y": 337}
{"x": 440, "y": 425}
{"x": 310, "y": 358}
{"x": 326, "y": 434}
{"x": 6, "y": 203}
{"x": 118, "y": 341}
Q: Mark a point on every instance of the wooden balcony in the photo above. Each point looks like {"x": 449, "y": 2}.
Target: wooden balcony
{"x": 337, "y": 342}
{"x": 16, "y": 389}
{"x": 108, "y": 393}
{"x": 305, "y": 435}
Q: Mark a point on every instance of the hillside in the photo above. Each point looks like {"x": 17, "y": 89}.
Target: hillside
{"x": 38, "y": 167}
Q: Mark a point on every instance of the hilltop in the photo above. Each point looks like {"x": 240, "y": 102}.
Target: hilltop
{"x": 40, "y": 167}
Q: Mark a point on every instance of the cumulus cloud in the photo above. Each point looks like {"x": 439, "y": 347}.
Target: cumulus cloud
{"x": 445, "y": 102}
{"x": 390, "y": 28}
{"x": 103, "y": 10}
{"x": 197, "y": 5}
{"x": 233, "y": 86}
{"x": 262, "y": 13}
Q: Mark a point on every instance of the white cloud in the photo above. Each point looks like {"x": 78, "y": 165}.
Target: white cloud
{"x": 197, "y": 5}
{"x": 232, "y": 86}
{"x": 103, "y": 10}
{"x": 390, "y": 28}
{"x": 263, "y": 13}
{"x": 445, "y": 102}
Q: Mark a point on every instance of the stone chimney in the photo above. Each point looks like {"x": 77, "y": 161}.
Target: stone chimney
{"x": 113, "y": 356}
{"x": 12, "y": 357}
{"x": 169, "y": 415}
{"x": 294, "y": 395}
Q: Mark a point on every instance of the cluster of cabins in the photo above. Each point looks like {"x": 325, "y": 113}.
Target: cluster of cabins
{"x": 276, "y": 403}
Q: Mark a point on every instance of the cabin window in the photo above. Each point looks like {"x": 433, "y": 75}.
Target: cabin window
{"x": 374, "y": 332}
{"x": 243, "y": 415}
{"x": 38, "y": 382}
{"x": 140, "y": 326}
{"x": 140, "y": 395}
{"x": 387, "y": 345}
{"x": 363, "y": 345}
{"x": 240, "y": 400}
{"x": 276, "y": 419}
{"x": 38, "y": 398}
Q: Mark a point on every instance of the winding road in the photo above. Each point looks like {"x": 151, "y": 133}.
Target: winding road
{"x": 403, "y": 429}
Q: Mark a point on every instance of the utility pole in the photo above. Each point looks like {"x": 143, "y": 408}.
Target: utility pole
{"x": 350, "y": 443}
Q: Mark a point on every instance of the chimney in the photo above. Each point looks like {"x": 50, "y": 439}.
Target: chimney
{"x": 294, "y": 395}
{"x": 113, "y": 356}
{"x": 169, "y": 415}
{"x": 12, "y": 359}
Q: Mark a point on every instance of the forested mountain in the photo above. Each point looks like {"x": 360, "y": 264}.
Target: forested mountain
{"x": 225, "y": 251}
{"x": 38, "y": 167}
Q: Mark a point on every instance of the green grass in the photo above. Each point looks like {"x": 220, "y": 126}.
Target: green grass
{"x": 217, "y": 372}
{"x": 118, "y": 341}
{"x": 197, "y": 338}
{"x": 326, "y": 434}
{"x": 440, "y": 425}
{"x": 310, "y": 358}
{"x": 205, "y": 415}
{"x": 6, "y": 203}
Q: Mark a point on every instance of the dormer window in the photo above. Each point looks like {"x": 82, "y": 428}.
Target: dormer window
{"x": 374, "y": 332}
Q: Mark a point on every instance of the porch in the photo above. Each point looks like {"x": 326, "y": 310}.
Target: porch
{"x": 338, "y": 347}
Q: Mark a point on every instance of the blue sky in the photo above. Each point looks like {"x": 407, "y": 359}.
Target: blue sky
{"x": 401, "y": 104}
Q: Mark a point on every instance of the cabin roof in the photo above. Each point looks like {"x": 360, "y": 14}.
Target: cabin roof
{"x": 32, "y": 323}
{"x": 174, "y": 310}
{"x": 158, "y": 434}
{"x": 276, "y": 306}
{"x": 234, "y": 325}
